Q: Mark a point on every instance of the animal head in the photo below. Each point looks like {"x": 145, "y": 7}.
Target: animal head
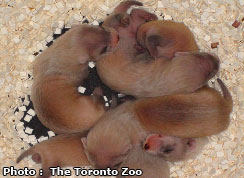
{"x": 104, "y": 148}
{"x": 172, "y": 148}
{"x": 95, "y": 39}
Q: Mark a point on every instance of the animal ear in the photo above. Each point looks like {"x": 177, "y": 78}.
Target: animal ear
{"x": 159, "y": 46}
{"x": 177, "y": 54}
{"x": 152, "y": 42}
{"x": 84, "y": 142}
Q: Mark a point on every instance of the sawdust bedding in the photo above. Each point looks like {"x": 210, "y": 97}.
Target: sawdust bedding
{"x": 27, "y": 27}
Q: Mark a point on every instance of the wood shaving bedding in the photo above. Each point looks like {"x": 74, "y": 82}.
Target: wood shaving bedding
{"x": 26, "y": 27}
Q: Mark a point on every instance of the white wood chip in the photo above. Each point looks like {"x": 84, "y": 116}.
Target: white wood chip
{"x": 51, "y": 133}
{"x": 16, "y": 39}
{"x": 7, "y": 89}
{"x": 60, "y": 25}
{"x": 105, "y": 8}
{"x": 23, "y": 135}
{"x": 105, "y": 98}
{"x": 241, "y": 2}
{"x": 44, "y": 138}
{"x": 197, "y": 30}
{"x": 81, "y": 90}
{"x": 207, "y": 38}
{"x": 60, "y": 5}
{"x": 28, "y": 130}
{"x": 4, "y": 31}
{"x": 31, "y": 112}
{"x": 31, "y": 138}
{"x": 167, "y": 17}
{"x": 95, "y": 23}
{"x": 21, "y": 17}
{"x": 34, "y": 142}
{"x": 23, "y": 74}
{"x": 40, "y": 139}
{"x": 58, "y": 31}
{"x": 240, "y": 55}
{"x": 22, "y": 108}
{"x": 27, "y": 118}
{"x": 31, "y": 58}
{"x": 208, "y": 160}
{"x": 53, "y": 10}
{"x": 185, "y": 4}
{"x": 26, "y": 102}
{"x": 47, "y": 8}
{"x": 91, "y": 64}
{"x": 220, "y": 154}
{"x": 19, "y": 127}
{"x": 160, "y": 4}
{"x": 49, "y": 38}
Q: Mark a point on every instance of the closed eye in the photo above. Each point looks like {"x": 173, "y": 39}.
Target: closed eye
{"x": 168, "y": 149}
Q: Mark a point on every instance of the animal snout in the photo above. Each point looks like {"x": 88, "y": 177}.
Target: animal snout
{"x": 209, "y": 63}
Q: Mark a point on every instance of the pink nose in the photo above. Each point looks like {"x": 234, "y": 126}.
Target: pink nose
{"x": 153, "y": 141}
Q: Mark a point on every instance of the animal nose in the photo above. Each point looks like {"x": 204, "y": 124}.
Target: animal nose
{"x": 146, "y": 146}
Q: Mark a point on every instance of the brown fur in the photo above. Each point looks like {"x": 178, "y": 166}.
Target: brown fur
{"x": 59, "y": 70}
{"x": 152, "y": 166}
{"x": 182, "y": 74}
{"x": 110, "y": 140}
{"x": 163, "y": 38}
{"x": 199, "y": 114}
{"x": 142, "y": 76}
{"x": 63, "y": 150}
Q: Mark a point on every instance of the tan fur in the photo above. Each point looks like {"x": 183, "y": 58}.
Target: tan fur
{"x": 152, "y": 166}
{"x": 141, "y": 75}
{"x": 114, "y": 136}
{"x": 199, "y": 114}
{"x": 63, "y": 150}
{"x": 182, "y": 74}
{"x": 109, "y": 141}
{"x": 163, "y": 38}
{"x": 59, "y": 70}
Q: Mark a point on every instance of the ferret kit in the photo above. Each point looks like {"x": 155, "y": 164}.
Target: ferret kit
{"x": 132, "y": 96}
